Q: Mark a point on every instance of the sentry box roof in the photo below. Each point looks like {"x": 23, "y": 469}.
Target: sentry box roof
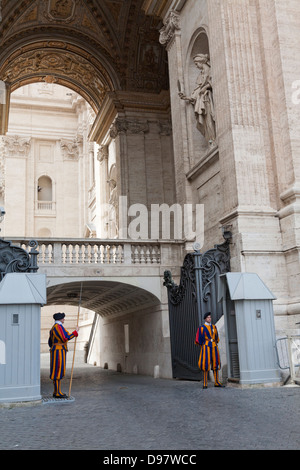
{"x": 23, "y": 288}
{"x": 244, "y": 286}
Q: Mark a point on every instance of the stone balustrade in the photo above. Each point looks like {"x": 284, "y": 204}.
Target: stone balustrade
{"x": 100, "y": 252}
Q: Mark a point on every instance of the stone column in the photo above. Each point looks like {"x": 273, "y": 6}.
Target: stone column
{"x": 170, "y": 37}
{"x": 141, "y": 129}
{"x": 17, "y": 168}
{"x": 130, "y": 132}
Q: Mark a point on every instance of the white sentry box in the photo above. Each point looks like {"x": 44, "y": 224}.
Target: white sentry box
{"x": 21, "y": 299}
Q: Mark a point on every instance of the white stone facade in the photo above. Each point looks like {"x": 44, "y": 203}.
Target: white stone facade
{"x": 226, "y": 135}
{"x": 248, "y": 178}
{"x": 48, "y": 168}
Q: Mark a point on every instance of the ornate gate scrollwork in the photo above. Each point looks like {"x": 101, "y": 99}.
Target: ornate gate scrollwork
{"x": 14, "y": 259}
{"x": 188, "y": 301}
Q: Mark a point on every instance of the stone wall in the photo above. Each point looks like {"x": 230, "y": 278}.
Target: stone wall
{"x": 247, "y": 177}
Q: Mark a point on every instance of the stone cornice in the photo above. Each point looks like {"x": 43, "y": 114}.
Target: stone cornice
{"x": 161, "y": 8}
{"x": 117, "y": 103}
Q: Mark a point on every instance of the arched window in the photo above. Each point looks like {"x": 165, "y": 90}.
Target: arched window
{"x": 44, "y": 193}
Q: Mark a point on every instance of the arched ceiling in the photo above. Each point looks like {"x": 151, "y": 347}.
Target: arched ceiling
{"x": 92, "y": 46}
{"x": 104, "y": 297}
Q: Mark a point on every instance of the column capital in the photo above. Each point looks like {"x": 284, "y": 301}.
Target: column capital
{"x": 102, "y": 154}
{"x": 171, "y": 26}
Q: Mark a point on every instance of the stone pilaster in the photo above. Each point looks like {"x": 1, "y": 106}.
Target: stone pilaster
{"x": 237, "y": 78}
{"x": 141, "y": 132}
{"x": 170, "y": 37}
{"x": 248, "y": 183}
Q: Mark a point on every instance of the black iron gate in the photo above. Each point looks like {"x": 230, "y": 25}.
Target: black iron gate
{"x": 188, "y": 301}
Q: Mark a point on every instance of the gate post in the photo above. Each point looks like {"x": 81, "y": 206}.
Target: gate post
{"x": 198, "y": 276}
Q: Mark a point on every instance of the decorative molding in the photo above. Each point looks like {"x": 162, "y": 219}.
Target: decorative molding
{"x": 71, "y": 148}
{"x": 115, "y": 103}
{"x": 102, "y": 154}
{"x": 57, "y": 62}
{"x": 116, "y": 36}
{"x": 15, "y": 146}
{"x": 161, "y": 8}
{"x": 210, "y": 157}
{"x": 165, "y": 128}
{"x": 171, "y": 26}
{"x": 128, "y": 126}
{"x": 61, "y": 10}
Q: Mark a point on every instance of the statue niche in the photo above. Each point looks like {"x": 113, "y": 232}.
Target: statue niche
{"x": 202, "y": 98}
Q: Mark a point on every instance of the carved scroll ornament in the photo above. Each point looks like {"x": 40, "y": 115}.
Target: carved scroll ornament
{"x": 14, "y": 259}
{"x": 171, "y": 26}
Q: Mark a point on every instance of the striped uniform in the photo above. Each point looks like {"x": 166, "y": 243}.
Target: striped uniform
{"x": 207, "y": 338}
{"x": 58, "y": 339}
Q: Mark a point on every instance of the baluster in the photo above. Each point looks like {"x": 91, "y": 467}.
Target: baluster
{"x": 49, "y": 253}
{"x": 41, "y": 255}
{"x": 93, "y": 253}
{"x": 88, "y": 254}
{"x": 81, "y": 254}
{"x": 148, "y": 255}
{"x": 97, "y": 254}
{"x": 136, "y": 255}
{"x": 105, "y": 254}
{"x": 153, "y": 254}
{"x": 112, "y": 254}
{"x": 69, "y": 259}
{"x": 64, "y": 254}
{"x": 115, "y": 253}
{"x": 74, "y": 253}
{"x": 142, "y": 257}
{"x": 101, "y": 254}
{"x": 158, "y": 254}
{"x": 121, "y": 254}
{"x": 118, "y": 254}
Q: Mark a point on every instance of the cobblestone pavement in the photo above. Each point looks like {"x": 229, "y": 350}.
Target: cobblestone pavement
{"x": 114, "y": 411}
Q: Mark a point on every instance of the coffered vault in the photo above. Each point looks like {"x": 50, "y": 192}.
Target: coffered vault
{"x": 90, "y": 46}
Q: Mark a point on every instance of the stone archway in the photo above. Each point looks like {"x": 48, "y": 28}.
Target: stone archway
{"x": 91, "y": 47}
{"x": 61, "y": 63}
{"x": 127, "y": 331}
{"x": 109, "y": 53}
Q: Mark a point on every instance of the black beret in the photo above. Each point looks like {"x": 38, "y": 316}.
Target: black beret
{"x": 206, "y": 315}
{"x": 58, "y": 316}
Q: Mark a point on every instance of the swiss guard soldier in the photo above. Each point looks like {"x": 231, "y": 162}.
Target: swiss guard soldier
{"x": 207, "y": 338}
{"x": 58, "y": 338}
